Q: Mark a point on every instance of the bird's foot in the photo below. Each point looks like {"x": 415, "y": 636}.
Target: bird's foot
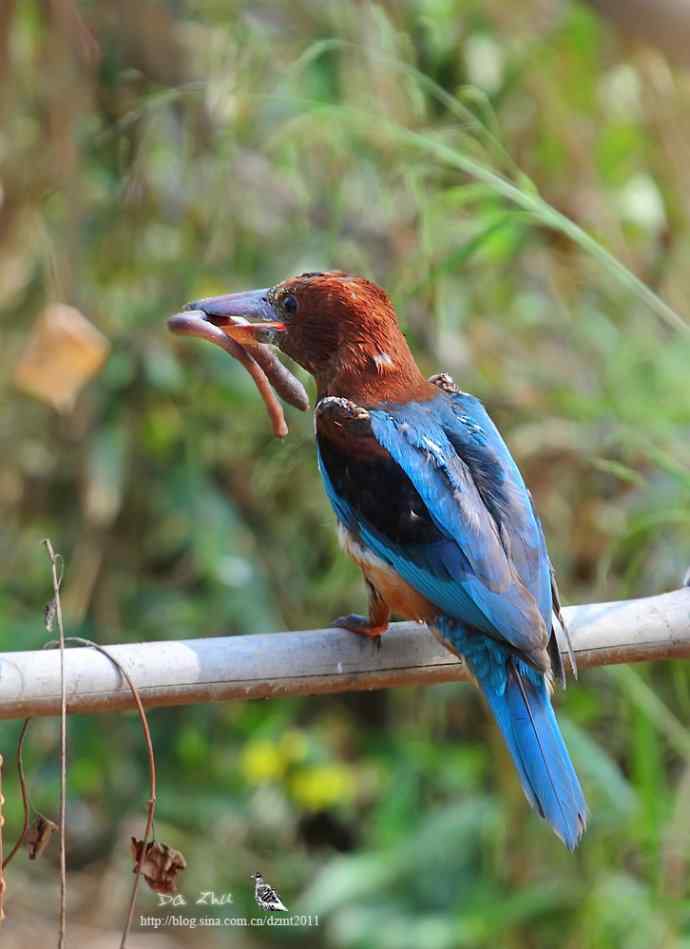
{"x": 361, "y": 625}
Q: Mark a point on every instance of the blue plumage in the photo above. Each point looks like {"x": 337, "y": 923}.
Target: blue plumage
{"x": 479, "y": 558}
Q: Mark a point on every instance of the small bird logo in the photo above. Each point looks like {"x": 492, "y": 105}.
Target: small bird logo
{"x": 265, "y": 896}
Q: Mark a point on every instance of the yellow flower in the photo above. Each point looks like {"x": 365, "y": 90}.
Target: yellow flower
{"x": 261, "y": 761}
{"x": 294, "y": 744}
{"x": 323, "y": 786}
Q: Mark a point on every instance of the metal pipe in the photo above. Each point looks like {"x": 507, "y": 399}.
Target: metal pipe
{"x": 314, "y": 662}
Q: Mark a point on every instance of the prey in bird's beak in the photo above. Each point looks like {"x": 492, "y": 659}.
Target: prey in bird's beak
{"x": 247, "y": 317}
{"x": 241, "y": 324}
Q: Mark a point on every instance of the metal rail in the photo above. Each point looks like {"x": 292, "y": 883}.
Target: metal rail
{"x": 314, "y": 662}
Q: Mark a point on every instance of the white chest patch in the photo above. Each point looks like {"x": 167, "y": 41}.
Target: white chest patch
{"x": 360, "y": 554}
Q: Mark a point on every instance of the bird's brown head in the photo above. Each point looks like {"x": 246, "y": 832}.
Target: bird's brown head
{"x": 340, "y": 328}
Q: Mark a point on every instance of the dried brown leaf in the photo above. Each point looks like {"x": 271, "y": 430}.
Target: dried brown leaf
{"x": 38, "y": 836}
{"x": 63, "y": 352}
{"x": 160, "y": 864}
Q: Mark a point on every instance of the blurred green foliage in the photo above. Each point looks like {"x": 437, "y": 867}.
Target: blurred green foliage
{"x": 151, "y": 153}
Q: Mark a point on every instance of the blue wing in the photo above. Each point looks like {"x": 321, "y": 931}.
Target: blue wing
{"x": 434, "y": 492}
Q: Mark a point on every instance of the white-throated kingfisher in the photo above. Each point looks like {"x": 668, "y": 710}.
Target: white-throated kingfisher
{"x": 432, "y": 507}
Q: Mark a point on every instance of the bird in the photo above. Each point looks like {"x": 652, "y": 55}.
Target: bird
{"x": 265, "y": 896}
{"x": 431, "y": 505}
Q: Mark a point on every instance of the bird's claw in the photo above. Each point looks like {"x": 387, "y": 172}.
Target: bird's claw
{"x": 361, "y": 625}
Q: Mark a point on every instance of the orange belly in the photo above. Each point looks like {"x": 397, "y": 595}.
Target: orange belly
{"x": 402, "y": 599}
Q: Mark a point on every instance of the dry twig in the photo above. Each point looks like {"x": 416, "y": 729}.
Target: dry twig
{"x": 26, "y": 803}
{"x": 36, "y": 836}
{"x": 151, "y": 806}
{"x": 56, "y": 565}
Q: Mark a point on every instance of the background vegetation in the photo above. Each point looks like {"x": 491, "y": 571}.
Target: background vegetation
{"x": 154, "y": 152}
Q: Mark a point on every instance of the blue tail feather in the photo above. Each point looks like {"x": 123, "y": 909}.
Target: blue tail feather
{"x": 518, "y": 696}
{"x": 522, "y": 708}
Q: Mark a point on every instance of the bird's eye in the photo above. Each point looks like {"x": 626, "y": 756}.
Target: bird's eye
{"x": 290, "y": 304}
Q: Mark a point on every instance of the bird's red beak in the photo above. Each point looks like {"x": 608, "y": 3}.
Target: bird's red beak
{"x": 247, "y": 317}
